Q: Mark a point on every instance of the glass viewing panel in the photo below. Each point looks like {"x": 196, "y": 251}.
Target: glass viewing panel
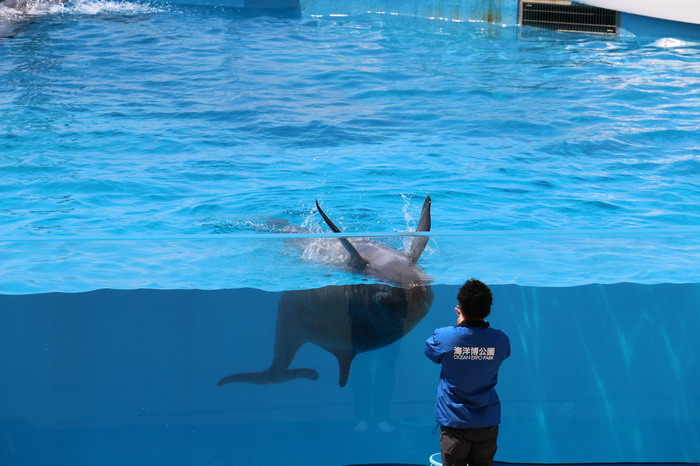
{"x": 264, "y": 349}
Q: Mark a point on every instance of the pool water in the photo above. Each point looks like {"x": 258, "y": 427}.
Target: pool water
{"x": 160, "y": 165}
{"x": 173, "y": 120}
{"x": 597, "y": 374}
{"x": 123, "y": 120}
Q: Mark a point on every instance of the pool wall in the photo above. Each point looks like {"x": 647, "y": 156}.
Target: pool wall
{"x": 637, "y": 25}
{"x": 491, "y": 11}
{"x": 498, "y": 12}
{"x": 598, "y": 373}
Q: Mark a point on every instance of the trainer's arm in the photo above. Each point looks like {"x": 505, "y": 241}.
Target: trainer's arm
{"x": 434, "y": 349}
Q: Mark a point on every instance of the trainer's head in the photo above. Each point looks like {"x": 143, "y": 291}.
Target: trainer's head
{"x": 474, "y": 299}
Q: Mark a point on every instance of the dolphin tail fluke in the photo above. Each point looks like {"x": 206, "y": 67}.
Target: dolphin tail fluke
{"x": 267, "y": 377}
{"x": 419, "y": 242}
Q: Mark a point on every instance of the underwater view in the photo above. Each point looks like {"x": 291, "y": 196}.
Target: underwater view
{"x": 225, "y": 237}
{"x": 598, "y": 373}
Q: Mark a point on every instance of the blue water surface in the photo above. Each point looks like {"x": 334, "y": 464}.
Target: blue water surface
{"x": 127, "y": 119}
{"x": 174, "y": 120}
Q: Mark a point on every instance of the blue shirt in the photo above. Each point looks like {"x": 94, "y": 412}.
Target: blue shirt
{"x": 470, "y": 359}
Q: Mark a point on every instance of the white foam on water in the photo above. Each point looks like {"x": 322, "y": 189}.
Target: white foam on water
{"x": 9, "y": 13}
{"x": 95, "y": 7}
{"x": 33, "y": 8}
{"x": 327, "y": 251}
{"x": 672, "y": 43}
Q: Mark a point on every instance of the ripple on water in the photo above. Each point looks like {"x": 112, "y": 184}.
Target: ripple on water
{"x": 122, "y": 118}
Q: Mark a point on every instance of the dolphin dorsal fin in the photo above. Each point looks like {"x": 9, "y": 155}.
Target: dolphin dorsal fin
{"x": 357, "y": 262}
{"x": 419, "y": 242}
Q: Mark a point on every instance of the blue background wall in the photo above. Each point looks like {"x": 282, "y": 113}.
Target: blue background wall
{"x": 493, "y": 11}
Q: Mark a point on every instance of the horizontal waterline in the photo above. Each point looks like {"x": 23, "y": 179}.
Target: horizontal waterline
{"x": 282, "y": 236}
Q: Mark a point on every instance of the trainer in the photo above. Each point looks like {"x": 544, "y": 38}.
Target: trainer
{"x": 467, "y": 406}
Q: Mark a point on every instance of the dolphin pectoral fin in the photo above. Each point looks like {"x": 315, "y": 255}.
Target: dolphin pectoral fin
{"x": 328, "y": 221}
{"x": 419, "y": 242}
{"x": 357, "y": 262}
{"x": 424, "y": 222}
{"x": 269, "y": 376}
{"x": 344, "y": 361}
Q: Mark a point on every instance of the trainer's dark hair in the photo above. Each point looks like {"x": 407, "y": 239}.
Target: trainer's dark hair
{"x": 475, "y": 299}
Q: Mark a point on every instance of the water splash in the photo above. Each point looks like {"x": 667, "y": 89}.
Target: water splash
{"x": 407, "y": 211}
{"x": 33, "y": 8}
{"x": 96, "y": 7}
{"x": 410, "y": 219}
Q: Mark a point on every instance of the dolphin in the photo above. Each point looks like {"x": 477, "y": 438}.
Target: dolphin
{"x": 14, "y": 4}
{"x": 382, "y": 262}
{"x": 348, "y": 320}
{"x": 15, "y": 15}
{"x": 25, "y": 5}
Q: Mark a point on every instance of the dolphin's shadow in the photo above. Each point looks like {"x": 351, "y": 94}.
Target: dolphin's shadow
{"x": 344, "y": 320}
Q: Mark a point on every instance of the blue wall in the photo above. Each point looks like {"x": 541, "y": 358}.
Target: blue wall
{"x": 645, "y": 26}
{"x": 598, "y": 373}
{"x": 493, "y": 11}
{"x": 503, "y": 12}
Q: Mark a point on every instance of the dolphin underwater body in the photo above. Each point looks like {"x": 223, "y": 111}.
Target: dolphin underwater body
{"x": 350, "y": 319}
